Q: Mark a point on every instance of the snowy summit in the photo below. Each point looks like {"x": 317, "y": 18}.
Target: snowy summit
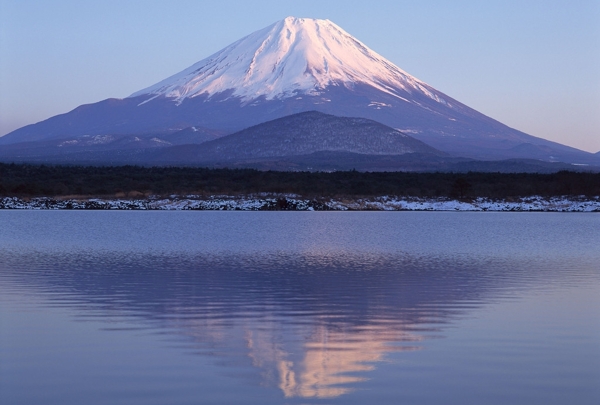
{"x": 291, "y": 57}
{"x": 294, "y": 66}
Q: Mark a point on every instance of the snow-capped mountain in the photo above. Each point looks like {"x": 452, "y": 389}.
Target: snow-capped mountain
{"x": 297, "y": 65}
{"x": 295, "y": 56}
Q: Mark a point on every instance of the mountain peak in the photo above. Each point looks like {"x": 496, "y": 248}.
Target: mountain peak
{"x": 289, "y": 58}
{"x": 291, "y": 66}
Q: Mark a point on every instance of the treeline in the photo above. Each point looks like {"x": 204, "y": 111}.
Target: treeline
{"x": 24, "y": 180}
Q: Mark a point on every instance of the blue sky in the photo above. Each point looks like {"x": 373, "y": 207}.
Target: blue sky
{"x": 533, "y": 65}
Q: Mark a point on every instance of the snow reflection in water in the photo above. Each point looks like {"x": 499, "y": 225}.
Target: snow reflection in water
{"x": 314, "y": 314}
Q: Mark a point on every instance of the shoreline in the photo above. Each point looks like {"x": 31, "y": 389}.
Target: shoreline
{"x": 287, "y": 202}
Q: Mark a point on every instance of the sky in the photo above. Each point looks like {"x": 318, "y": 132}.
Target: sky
{"x": 533, "y": 65}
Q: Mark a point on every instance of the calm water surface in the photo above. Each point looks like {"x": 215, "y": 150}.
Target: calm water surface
{"x": 299, "y": 308}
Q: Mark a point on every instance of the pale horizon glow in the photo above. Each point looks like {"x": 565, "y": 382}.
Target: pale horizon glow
{"x": 533, "y": 66}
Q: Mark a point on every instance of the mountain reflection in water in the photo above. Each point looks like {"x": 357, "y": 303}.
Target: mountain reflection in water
{"x": 313, "y": 324}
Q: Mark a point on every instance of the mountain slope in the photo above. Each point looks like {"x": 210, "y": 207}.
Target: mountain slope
{"x": 302, "y": 134}
{"x": 293, "y": 56}
{"x": 298, "y": 65}
{"x": 309, "y": 141}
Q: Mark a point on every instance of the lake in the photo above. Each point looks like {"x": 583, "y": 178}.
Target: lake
{"x": 105, "y": 307}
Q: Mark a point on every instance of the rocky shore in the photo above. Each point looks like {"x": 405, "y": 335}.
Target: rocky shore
{"x": 297, "y": 203}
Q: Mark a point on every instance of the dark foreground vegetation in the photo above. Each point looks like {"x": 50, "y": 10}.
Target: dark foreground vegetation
{"x": 23, "y": 180}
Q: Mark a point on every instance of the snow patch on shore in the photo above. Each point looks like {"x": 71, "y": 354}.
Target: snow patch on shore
{"x": 296, "y": 203}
